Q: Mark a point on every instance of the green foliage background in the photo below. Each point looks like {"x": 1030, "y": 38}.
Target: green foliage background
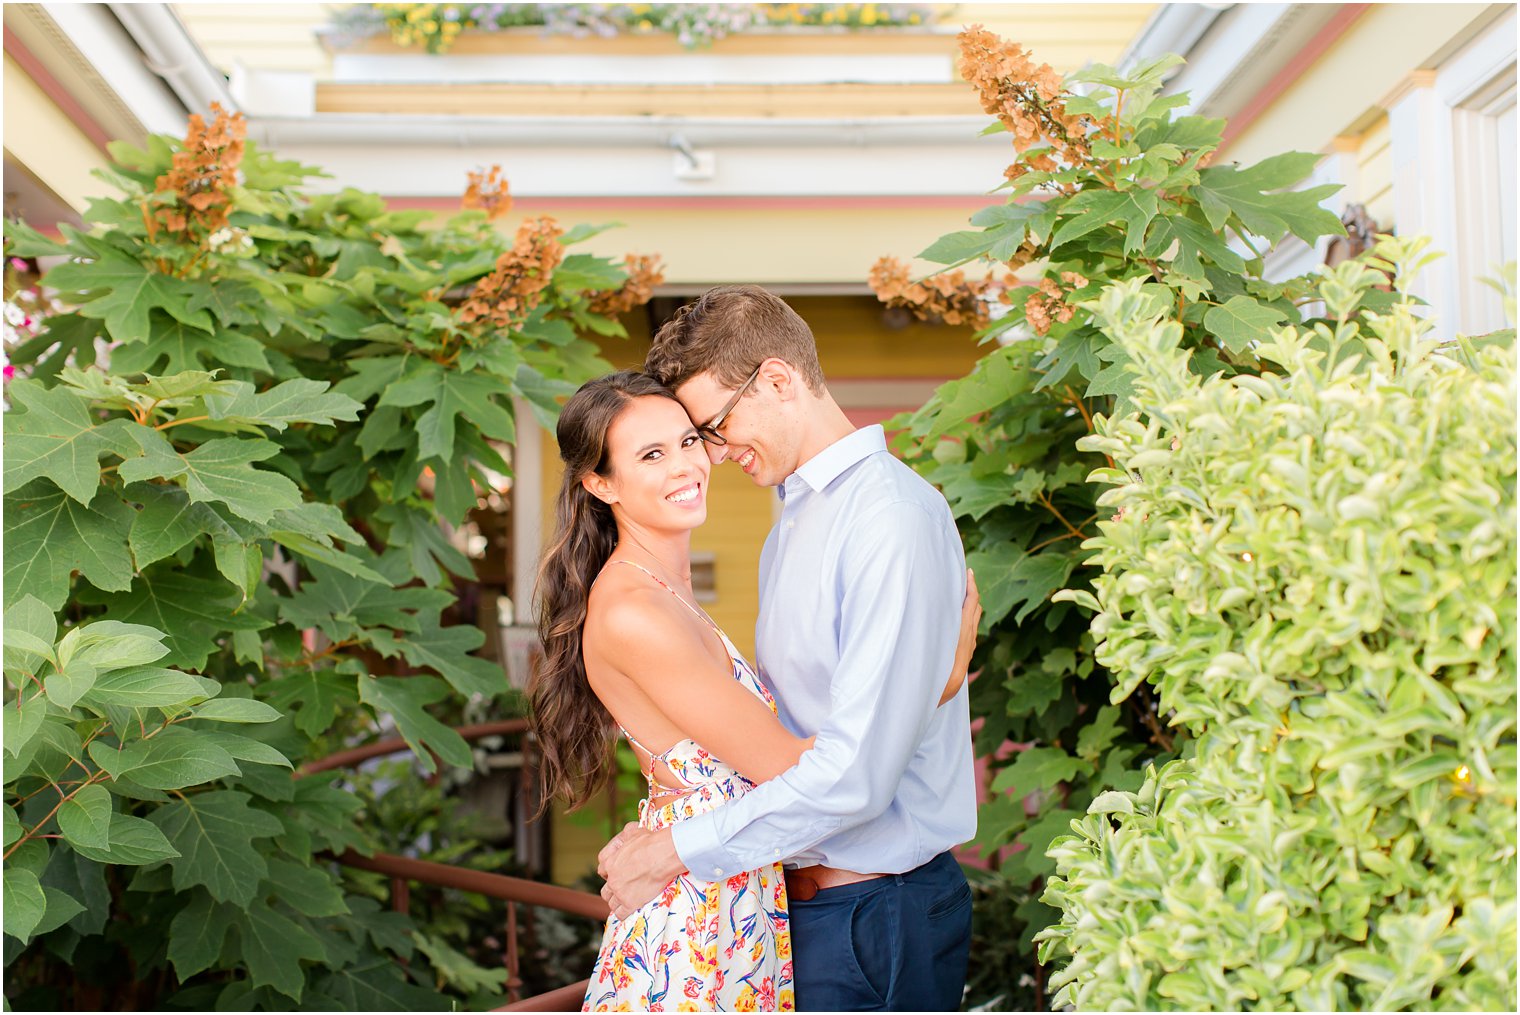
{"x": 1314, "y": 569}
{"x": 220, "y": 448}
{"x": 1002, "y": 444}
{"x": 1174, "y": 910}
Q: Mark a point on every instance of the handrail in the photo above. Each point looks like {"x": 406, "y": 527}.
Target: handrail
{"x": 495, "y": 886}
{"x": 560, "y": 999}
{"x": 402, "y": 870}
{"x": 395, "y": 745}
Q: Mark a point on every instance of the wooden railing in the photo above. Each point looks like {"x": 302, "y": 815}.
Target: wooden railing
{"x": 403, "y": 871}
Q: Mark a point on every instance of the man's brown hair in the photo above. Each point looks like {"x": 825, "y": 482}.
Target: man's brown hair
{"x": 730, "y": 330}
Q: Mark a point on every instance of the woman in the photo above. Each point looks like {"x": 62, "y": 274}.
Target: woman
{"x": 627, "y": 649}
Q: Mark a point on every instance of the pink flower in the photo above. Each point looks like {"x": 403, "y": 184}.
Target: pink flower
{"x": 10, "y": 371}
{"x": 18, "y": 264}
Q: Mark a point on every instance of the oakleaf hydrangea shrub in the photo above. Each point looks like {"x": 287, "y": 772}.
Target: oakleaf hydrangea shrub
{"x": 1314, "y": 569}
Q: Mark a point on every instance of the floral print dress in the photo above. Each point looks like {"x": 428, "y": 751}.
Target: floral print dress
{"x": 701, "y": 945}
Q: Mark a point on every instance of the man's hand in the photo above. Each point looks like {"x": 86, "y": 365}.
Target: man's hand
{"x": 638, "y": 864}
{"x": 615, "y": 844}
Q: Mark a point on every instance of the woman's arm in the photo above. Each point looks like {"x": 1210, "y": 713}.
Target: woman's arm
{"x": 668, "y": 661}
{"x": 971, "y": 616}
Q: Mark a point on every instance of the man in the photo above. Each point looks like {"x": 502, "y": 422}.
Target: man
{"x": 861, "y": 582}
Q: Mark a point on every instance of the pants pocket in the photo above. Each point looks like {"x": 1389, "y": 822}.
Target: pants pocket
{"x": 957, "y": 898}
{"x": 873, "y": 945}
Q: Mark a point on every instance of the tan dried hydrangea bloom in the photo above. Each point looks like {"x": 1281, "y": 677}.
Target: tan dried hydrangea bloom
{"x": 203, "y": 173}
{"x": 506, "y": 296}
{"x": 1028, "y": 99}
{"x": 644, "y": 273}
{"x": 488, "y": 192}
{"x": 948, "y": 296}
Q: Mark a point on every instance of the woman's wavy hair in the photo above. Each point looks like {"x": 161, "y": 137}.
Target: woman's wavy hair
{"x": 575, "y": 731}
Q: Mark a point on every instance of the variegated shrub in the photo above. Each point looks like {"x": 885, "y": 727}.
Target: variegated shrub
{"x": 1314, "y": 569}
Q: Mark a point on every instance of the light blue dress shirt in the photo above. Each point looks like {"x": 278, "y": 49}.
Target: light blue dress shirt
{"x": 861, "y": 582}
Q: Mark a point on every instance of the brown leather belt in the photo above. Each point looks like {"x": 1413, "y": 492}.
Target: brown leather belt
{"x": 802, "y": 883}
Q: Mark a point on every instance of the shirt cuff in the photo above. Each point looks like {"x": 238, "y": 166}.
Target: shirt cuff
{"x": 701, "y": 850}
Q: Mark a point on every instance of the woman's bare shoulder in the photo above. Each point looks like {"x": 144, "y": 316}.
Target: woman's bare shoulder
{"x": 628, "y": 611}
{"x": 640, "y": 629}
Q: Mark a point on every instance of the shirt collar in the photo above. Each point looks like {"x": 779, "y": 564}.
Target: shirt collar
{"x": 827, "y": 465}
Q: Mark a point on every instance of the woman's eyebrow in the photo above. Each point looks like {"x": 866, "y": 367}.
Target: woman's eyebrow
{"x": 652, "y": 445}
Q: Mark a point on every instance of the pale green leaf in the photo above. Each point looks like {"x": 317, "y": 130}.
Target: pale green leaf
{"x": 1240, "y": 321}
{"x": 49, "y": 536}
{"x": 219, "y": 470}
{"x": 24, "y": 903}
{"x": 72, "y": 683}
{"x": 1039, "y": 768}
{"x": 53, "y": 435}
{"x": 403, "y": 699}
{"x": 23, "y": 718}
{"x": 85, "y": 818}
{"x": 112, "y": 645}
{"x": 123, "y": 292}
{"x": 30, "y": 630}
{"x": 173, "y": 759}
{"x": 299, "y": 400}
{"x": 145, "y": 687}
{"x": 134, "y": 842}
{"x": 243, "y": 710}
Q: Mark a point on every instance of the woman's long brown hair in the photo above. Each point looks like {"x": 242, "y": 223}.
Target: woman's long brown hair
{"x": 575, "y": 731}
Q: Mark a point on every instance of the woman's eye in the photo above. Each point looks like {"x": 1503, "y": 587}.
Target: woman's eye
{"x": 651, "y": 456}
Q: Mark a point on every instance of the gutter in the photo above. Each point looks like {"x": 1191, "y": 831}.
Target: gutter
{"x": 169, "y": 52}
{"x": 591, "y": 132}
{"x": 1172, "y": 28}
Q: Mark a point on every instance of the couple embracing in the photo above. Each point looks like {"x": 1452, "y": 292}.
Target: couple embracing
{"x": 794, "y": 848}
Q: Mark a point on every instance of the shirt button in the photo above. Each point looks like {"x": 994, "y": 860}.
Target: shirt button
{"x": 717, "y": 872}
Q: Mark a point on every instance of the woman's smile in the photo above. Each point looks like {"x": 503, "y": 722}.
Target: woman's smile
{"x": 689, "y": 495}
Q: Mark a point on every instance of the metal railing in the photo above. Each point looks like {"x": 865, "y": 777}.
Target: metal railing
{"x": 403, "y": 871}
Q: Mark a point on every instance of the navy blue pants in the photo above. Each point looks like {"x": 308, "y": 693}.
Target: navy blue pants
{"x": 894, "y": 943}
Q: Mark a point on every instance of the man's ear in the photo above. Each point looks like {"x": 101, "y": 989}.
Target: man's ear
{"x": 599, "y": 487}
{"x": 781, "y": 377}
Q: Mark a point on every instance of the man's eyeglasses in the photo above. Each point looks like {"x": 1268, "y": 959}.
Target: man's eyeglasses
{"x": 709, "y": 431}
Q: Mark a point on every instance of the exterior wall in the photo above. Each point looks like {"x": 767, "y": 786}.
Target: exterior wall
{"x": 1346, "y": 86}
{"x": 260, "y": 36}
{"x": 1374, "y": 163}
{"x": 1413, "y": 106}
{"x": 766, "y": 241}
{"x": 42, "y": 138}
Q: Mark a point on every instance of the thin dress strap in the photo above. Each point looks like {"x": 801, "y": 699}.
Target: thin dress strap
{"x": 705, "y": 618}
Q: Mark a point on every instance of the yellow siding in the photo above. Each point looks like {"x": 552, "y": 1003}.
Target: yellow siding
{"x": 260, "y": 36}
{"x": 832, "y": 100}
{"x": 1365, "y": 64}
{"x": 40, "y": 137}
{"x": 765, "y": 242}
{"x": 852, "y": 341}
{"x": 1374, "y": 159}
{"x": 1066, "y": 36}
